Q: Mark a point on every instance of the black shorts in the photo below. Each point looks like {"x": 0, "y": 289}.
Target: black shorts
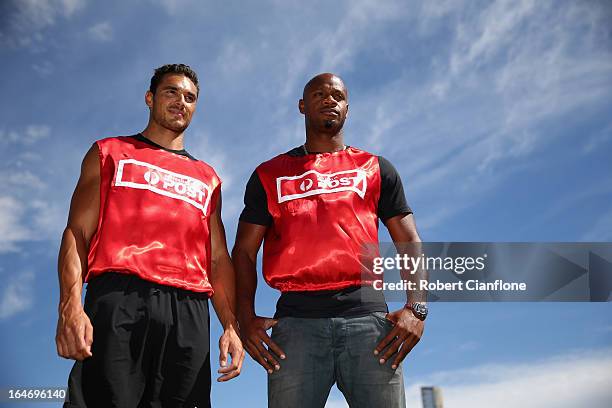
{"x": 151, "y": 347}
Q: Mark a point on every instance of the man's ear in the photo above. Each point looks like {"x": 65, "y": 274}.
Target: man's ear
{"x": 347, "y": 110}
{"x": 301, "y": 106}
{"x": 149, "y": 99}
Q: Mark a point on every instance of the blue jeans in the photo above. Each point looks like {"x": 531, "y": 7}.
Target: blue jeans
{"x": 321, "y": 352}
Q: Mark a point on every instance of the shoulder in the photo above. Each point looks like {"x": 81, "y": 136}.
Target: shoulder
{"x": 107, "y": 143}
{"x": 361, "y": 152}
{"x": 385, "y": 166}
{"x": 206, "y": 169}
{"x": 364, "y": 156}
{"x": 203, "y": 165}
{"x": 389, "y": 176}
{"x": 278, "y": 160}
{"x": 116, "y": 139}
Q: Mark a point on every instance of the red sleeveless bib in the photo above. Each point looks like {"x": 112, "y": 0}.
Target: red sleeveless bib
{"x": 324, "y": 210}
{"x": 154, "y": 219}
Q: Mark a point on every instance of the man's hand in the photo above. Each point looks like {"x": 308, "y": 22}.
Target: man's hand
{"x": 254, "y": 337}
{"x": 230, "y": 343}
{"x": 74, "y": 334}
{"x": 406, "y": 333}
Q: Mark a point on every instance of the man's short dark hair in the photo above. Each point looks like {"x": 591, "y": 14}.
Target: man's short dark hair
{"x": 180, "y": 69}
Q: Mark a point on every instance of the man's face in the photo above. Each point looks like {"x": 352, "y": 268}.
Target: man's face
{"x": 174, "y": 102}
{"x": 325, "y": 103}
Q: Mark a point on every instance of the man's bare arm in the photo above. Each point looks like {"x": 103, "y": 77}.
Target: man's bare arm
{"x": 222, "y": 276}
{"x": 222, "y": 279}
{"x": 74, "y": 330}
{"x": 407, "y": 330}
{"x": 253, "y": 328}
{"x": 244, "y": 254}
{"x": 403, "y": 231}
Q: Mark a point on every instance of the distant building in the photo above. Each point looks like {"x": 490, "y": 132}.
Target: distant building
{"x": 432, "y": 397}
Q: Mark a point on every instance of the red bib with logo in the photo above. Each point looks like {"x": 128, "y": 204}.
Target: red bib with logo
{"x": 154, "y": 219}
{"x": 324, "y": 210}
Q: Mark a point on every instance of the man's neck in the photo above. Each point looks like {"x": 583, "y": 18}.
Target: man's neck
{"x": 164, "y": 137}
{"x": 323, "y": 143}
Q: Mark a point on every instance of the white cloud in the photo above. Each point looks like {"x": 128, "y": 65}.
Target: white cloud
{"x": 34, "y": 133}
{"x": 511, "y": 69}
{"x": 493, "y": 30}
{"x": 43, "y": 68}
{"x": 12, "y": 229}
{"x": 22, "y": 25}
{"x": 48, "y": 219}
{"x": 102, "y": 32}
{"x": 566, "y": 201}
{"x": 17, "y": 294}
{"x": 339, "y": 46}
{"x": 26, "y": 218}
{"x": 22, "y": 180}
{"x": 334, "y": 49}
{"x": 28, "y": 210}
{"x": 499, "y": 73}
{"x": 29, "y": 156}
{"x": 598, "y": 140}
{"x": 204, "y": 148}
{"x": 174, "y": 7}
{"x": 575, "y": 379}
{"x": 69, "y": 7}
{"x": 234, "y": 58}
{"x": 29, "y": 136}
{"x": 468, "y": 346}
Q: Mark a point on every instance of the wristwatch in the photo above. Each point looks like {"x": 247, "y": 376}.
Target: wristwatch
{"x": 419, "y": 310}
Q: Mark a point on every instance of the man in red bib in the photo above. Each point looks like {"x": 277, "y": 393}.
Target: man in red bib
{"x": 315, "y": 208}
{"x": 145, "y": 232}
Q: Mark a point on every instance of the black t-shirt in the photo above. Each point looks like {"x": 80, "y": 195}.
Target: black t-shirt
{"x": 352, "y": 301}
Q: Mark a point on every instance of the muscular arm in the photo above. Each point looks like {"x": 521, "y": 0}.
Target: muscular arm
{"x": 407, "y": 330}
{"x": 222, "y": 274}
{"x": 222, "y": 279}
{"x": 248, "y": 240}
{"x": 74, "y": 331}
{"x": 253, "y": 328}
{"x": 402, "y": 229}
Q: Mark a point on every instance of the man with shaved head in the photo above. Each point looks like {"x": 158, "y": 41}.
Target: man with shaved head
{"x": 315, "y": 208}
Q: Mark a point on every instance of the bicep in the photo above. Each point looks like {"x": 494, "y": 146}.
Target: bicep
{"x": 249, "y": 238}
{"x": 402, "y": 228}
{"x": 217, "y": 230}
{"x": 85, "y": 203}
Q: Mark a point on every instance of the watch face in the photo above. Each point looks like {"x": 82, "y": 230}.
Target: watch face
{"x": 420, "y": 310}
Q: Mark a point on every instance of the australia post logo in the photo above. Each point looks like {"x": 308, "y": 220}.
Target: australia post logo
{"x": 145, "y": 176}
{"x": 312, "y": 183}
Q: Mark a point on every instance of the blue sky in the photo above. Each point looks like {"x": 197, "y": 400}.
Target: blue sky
{"x": 496, "y": 115}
